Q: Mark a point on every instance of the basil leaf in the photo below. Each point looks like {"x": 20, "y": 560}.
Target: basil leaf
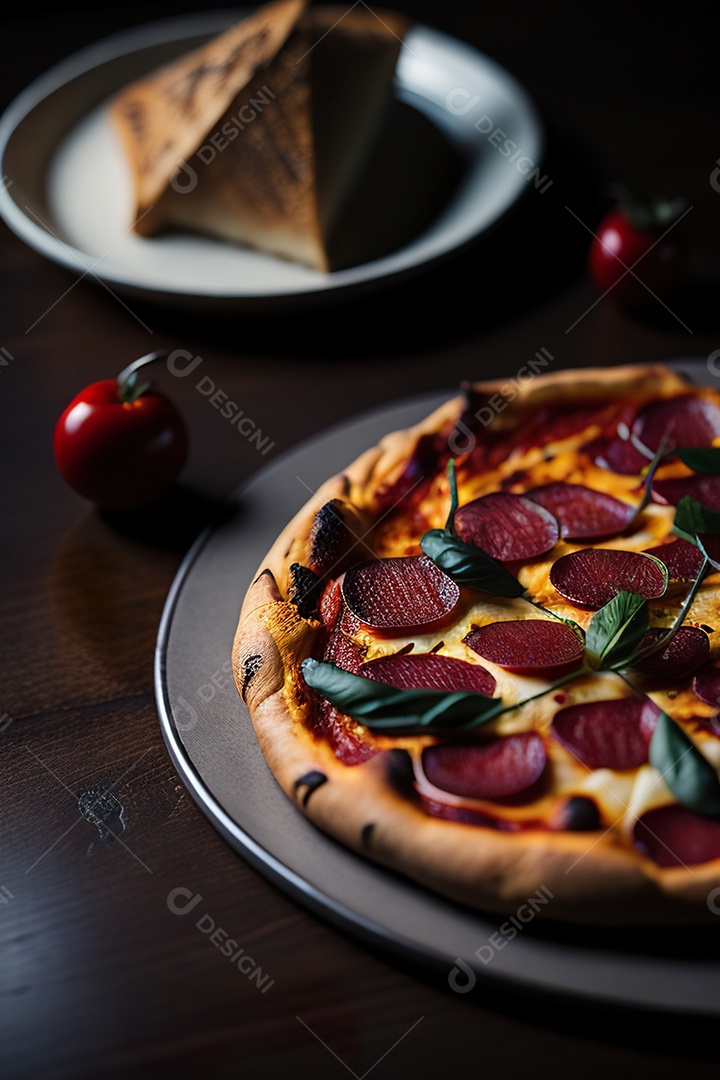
{"x": 616, "y": 630}
{"x": 648, "y": 477}
{"x": 689, "y": 775}
{"x": 701, "y": 459}
{"x": 691, "y": 518}
{"x": 454, "y": 501}
{"x": 381, "y": 707}
{"x": 469, "y": 565}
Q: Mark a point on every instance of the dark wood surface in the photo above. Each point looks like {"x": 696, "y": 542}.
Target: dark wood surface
{"x": 97, "y": 976}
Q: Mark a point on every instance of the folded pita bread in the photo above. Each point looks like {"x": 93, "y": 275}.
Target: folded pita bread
{"x": 258, "y": 136}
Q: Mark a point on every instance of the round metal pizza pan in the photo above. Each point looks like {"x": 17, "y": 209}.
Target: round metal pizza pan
{"x": 212, "y": 743}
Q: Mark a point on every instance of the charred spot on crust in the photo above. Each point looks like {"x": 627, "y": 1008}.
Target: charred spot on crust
{"x": 467, "y": 423}
{"x": 331, "y": 539}
{"x": 251, "y": 666}
{"x": 366, "y": 835}
{"x": 311, "y": 781}
{"x": 304, "y": 590}
{"x": 263, "y": 574}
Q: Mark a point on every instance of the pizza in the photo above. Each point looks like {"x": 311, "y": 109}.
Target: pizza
{"x": 484, "y": 654}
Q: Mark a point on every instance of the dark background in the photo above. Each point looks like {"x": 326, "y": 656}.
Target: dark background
{"x": 96, "y": 977}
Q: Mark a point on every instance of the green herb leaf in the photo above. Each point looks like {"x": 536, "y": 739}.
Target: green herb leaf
{"x": 384, "y": 708}
{"x": 689, "y": 775}
{"x": 616, "y": 630}
{"x": 692, "y": 518}
{"x": 648, "y": 476}
{"x": 454, "y": 502}
{"x": 468, "y": 565}
{"x": 704, "y": 459}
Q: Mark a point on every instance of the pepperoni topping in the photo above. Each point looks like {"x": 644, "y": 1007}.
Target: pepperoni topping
{"x": 399, "y": 594}
{"x": 591, "y": 577}
{"x": 348, "y": 744}
{"x": 612, "y": 734}
{"x": 682, "y": 559}
{"x": 618, "y": 455}
{"x": 494, "y": 769}
{"x": 428, "y": 671}
{"x": 343, "y": 652}
{"x": 706, "y": 685}
{"x": 577, "y": 814}
{"x": 583, "y": 514}
{"x": 705, "y": 489}
{"x": 676, "y": 836}
{"x": 682, "y": 421}
{"x": 508, "y": 527}
{"x": 466, "y": 815}
{"x": 527, "y": 645}
{"x": 688, "y": 651}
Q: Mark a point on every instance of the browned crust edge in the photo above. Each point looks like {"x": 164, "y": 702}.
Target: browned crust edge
{"x": 591, "y": 878}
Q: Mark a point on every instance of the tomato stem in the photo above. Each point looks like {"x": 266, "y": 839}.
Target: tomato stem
{"x": 130, "y": 388}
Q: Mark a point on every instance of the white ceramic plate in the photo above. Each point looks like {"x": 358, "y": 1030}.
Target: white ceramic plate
{"x": 211, "y": 739}
{"x": 67, "y": 190}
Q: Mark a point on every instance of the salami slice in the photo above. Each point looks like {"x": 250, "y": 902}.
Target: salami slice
{"x": 591, "y": 577}
{"x": 676, "y": 836}
{"x": 682, "y": 559}
{"x": 613, "y": 734}
{"x": 617, "y": 455}
{"x": 583, "y": 514}
{"x": 577, "y": 814}
{"x": 688, "y": 651}
{"x": 706, "y": 489}
{"x": 527, "y": 646}
{"x": 399, "y": 594}
{"x": 681, "y": 421}
{"x": 494, "y": 769}
{"x": 508, "y": 527}
{"x": 429, "y": 671}
{"x": 343, "y": 652}
{"x": 706, "y": 685}
{"x": 466, "y": 815}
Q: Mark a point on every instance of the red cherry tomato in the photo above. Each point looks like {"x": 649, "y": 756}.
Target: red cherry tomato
{"x": 645, "y": 239}
{"x": 120, "y": 454}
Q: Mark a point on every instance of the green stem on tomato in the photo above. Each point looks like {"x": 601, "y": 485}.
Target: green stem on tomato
{"x": 129, "y": 386}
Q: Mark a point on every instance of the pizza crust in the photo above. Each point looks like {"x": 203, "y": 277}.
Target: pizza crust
{"x": 591, "y": 877}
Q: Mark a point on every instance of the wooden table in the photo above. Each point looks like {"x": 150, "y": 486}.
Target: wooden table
{"x": 97, "y": 976}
